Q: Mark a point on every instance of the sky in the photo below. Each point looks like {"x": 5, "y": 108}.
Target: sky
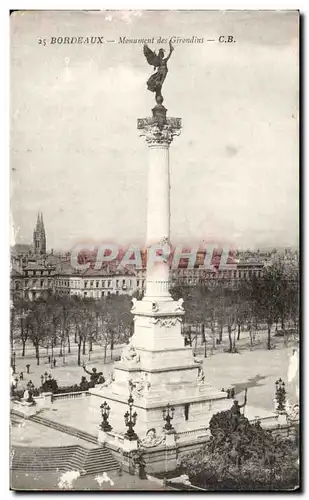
{"x": 76, "y": 154}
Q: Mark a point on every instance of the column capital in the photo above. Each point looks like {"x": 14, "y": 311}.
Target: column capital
{"x": 159, "y": 132}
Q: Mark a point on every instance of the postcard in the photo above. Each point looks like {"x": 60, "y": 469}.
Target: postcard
{"x": 154, "y": 177}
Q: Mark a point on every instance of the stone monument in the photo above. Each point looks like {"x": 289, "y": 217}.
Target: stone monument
{"x": 156, "y": 367}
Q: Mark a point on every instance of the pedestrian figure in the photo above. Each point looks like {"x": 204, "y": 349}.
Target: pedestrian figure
{"x": 28, "y": 368}
{"x": 21, "y": 376}
{"x": 55, "y": 362}
{"x": 142, "y": 468}
{"x": 49, "y": 359}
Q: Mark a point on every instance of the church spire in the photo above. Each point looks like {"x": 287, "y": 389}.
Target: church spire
{"x": 39, "y": 237}
{"x": 38, "y": 222}
{"x": 42, "y": 223}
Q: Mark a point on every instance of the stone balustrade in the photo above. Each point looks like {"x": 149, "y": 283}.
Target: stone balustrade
{"x": 192, "y": 434}
{"x": 70, "y": 395}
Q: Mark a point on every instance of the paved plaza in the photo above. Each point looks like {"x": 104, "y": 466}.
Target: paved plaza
{"x": 27, "y": 433}
{"x": 68, "y": 373}
{"x": 256, "y": 370}
{"x": 49, "y": 481}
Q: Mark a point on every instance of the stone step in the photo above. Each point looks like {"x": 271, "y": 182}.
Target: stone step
{"x": 100, "y": 460}
{"x": 73, "y": 457}
{"x": 65, "y": 428}
{"x": 62, "y": 458}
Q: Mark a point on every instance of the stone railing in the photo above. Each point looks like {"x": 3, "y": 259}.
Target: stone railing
{"x": 192, "y": 434}
{"x": 70, "y": 395}
{"x": 115, "y": 438}
{"x": 264, "y": 420}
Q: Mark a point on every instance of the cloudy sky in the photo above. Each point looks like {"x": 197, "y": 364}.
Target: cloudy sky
{"x": 75, "y": 151}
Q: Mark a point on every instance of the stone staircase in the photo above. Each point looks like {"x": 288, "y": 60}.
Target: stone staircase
{"x": 100, "y": 460}
{"x": 53, "y": 459}
{"x": 85, "y": 436}
{"x": 63, "y": 458}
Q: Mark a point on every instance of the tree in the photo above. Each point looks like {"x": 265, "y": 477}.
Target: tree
{"x": 266, "y": 294}
{"x": 38, "y": 325}
{"x": 84, "y": 321}
{"x": 21, "y": 310}
{"x": 54, "y": 313}
{"x": 106, "y": 325}
{"x": 231, "y": 305}
{"x": 66, "y": 318}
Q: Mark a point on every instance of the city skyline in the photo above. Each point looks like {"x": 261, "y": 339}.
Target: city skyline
{"x": 96, "y": 246}
{"x": 75, "y": 151}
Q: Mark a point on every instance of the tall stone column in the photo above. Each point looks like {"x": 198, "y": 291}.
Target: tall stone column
{"x": 158, "y": 132}
{"x": 157, "y": 317}
{"x": 156, "y": 366}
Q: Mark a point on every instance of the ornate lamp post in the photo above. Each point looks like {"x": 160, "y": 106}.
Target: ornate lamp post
{"x": 130, "y": 421}
{"x": 280, "y": 394}
{"x": 105, "y": 411}
{"x": 168, "y": 415}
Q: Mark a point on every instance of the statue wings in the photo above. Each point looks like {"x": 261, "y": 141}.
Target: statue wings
{"x": 151, "y": 56}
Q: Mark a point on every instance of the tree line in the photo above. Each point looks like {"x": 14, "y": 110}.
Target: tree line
{"x": 60, "y": 320}
{"x": 254, "y": 303}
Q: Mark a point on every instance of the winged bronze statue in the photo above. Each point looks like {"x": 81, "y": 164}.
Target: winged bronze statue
{"x": 155, "y": 82}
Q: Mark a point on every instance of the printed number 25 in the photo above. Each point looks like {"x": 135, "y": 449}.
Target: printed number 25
{"x": 42, "y": 41}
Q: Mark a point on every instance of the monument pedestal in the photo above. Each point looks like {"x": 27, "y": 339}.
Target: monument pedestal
{"x": 159, "y": 370}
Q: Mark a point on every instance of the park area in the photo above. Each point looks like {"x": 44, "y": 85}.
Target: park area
{"x": 256, "y": 369}
{"x": 64, "y": 341}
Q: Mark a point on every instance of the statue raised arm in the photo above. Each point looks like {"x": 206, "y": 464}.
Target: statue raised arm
{"x": 245, "y": 400}
{"x": 85, "y": 369}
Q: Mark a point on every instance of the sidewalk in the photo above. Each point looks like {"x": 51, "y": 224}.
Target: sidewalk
{"x": 49, "y": 481}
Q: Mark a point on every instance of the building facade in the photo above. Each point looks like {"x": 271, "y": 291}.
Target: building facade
{"x": 35, "y": 274}
{"x": 33, "y": 281}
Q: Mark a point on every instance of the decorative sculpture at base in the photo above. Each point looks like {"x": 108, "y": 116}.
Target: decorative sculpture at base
{"x": 179, "y": 306}
{"x": 129, "y": 353}
{"x": 140, "y": 386}
{"x": 151, "y": 439}
{"x": 201, "y": 376}
{"x": 108, "y": 381}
